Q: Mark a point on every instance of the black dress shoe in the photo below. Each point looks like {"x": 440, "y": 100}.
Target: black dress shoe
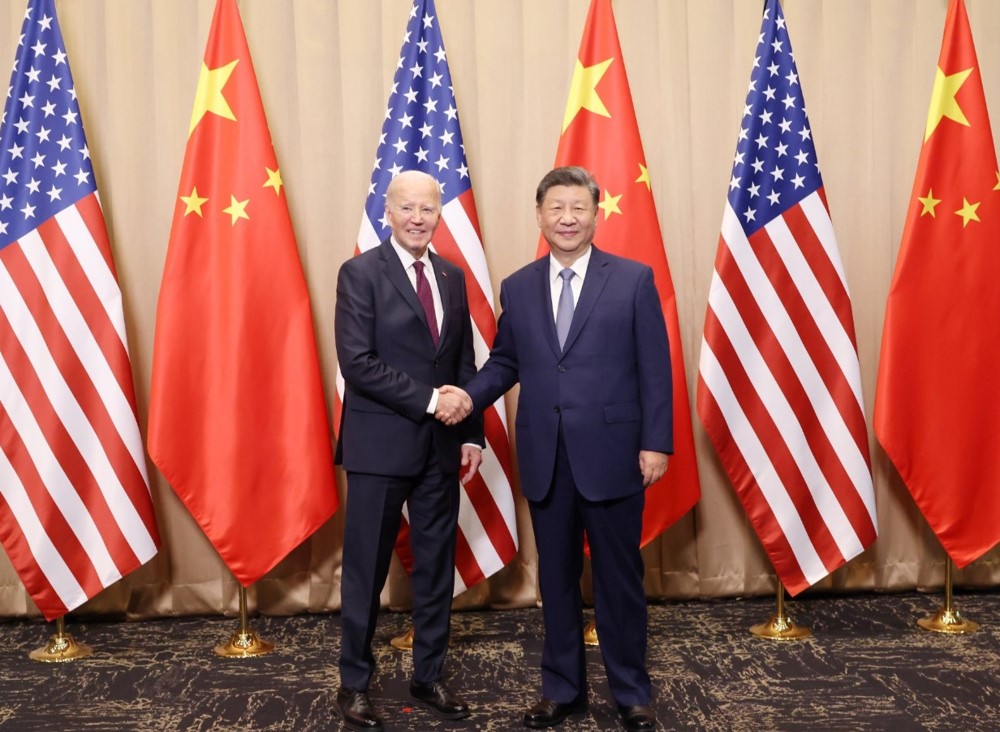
{"x": 439, "y": 699}
{"x": 356, "y": 709}
{"x": 548, "y": 713}
{"x": 636, "y": 717}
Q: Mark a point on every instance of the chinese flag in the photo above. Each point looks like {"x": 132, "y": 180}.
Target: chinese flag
{"x": 600, "y": 133}
{"x": 937, "y": 400}
{"x": 237, "y": 421}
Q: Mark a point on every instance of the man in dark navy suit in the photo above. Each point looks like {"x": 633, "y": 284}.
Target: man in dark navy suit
{"x": 583, "y": 333}
{"x": 402, "y": 329}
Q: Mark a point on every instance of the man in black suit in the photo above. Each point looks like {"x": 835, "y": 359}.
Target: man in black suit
{"x": 583, "y": 333}
{"x": 402, "y": 329}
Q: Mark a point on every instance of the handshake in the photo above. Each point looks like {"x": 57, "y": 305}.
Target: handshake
{"x": 453, "y": 405}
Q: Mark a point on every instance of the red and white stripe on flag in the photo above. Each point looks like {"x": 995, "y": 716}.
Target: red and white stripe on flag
{"x": 779, "y": 391}
{"x": 76, "y": 513}
{"x": 75, "y": 509}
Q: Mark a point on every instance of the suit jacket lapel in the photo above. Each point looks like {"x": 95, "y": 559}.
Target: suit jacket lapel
{"x": 444, "y": 288}
{"x": 544, "y": 290}
{"x": 593, "y": 285}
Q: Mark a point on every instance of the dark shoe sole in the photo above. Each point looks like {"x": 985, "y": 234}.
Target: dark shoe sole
{"x": 438, "y": 713}
{"x": 359, "y": 727}
{"x": 575, "y": 714}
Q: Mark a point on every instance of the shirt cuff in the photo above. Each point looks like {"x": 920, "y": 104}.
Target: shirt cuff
{"x": 433, "y": 405}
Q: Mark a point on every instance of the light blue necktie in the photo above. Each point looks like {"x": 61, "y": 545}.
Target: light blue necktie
{"x": 564, "y": 312}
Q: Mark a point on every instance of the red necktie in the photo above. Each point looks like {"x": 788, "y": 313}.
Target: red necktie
{"x": 426, "y": 301}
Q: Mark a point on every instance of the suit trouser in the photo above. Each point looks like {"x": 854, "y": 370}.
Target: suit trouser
{"x": 614, "y": 531}
{"x": 374, "y": 505}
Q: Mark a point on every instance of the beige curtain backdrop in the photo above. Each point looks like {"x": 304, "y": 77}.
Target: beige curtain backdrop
{"x": 325, "y": 68}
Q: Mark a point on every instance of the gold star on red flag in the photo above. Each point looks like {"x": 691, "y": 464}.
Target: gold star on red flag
{"x": 193, "y": 203}
{"x": 643, "y": 176}
{"x": 929, "y": 203}
{"x": 273, "y": 180}
{"x": 943, "y": 102}
{"x": 583, "y": 91}
{"x": 968, "y": 212}
{"x": 209, "y": 96}
{"x": 237, "y": 209}
{"x": 610, "y": 204}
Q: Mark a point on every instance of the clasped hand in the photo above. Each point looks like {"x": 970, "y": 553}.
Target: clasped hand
{"x": 453, "y": 405}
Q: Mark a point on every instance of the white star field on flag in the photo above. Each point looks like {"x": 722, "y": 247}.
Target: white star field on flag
{"x": 775, "y": 165}
{"x": 44, "y": 160}
{"x": 421, "y": 130}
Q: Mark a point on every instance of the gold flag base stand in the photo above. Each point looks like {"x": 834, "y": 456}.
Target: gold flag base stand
{"x": 244, "y": 643}
{"x": 780, "y": 626}
{"x": 948, "y": 619}
{"x": 403, "y": 642}
{"x": 61, "y": 647}
{"x": 590, "y": 634}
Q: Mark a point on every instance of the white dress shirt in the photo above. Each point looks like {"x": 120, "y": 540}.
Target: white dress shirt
{"x": 576, "y": 283}
{"x": 407, "y": 260}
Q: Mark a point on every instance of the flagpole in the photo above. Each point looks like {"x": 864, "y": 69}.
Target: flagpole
{"x": 403, "y": 641}
{"x": 948, "y": 619}
{"x": 780, "y": 626}
{"x": 244, "y": 642}
{"x": 61, "y": 646}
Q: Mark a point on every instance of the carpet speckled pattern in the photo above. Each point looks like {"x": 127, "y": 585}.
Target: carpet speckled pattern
{"x": 867, "y": 667}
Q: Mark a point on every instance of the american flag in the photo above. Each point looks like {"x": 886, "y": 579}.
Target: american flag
{"x": 779, "y": 390}
{"x": 421, "y": 132}
{"x": 76, "y": 513}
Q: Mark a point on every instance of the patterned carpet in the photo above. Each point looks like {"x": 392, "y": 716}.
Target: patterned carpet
{"x": 866, "y": 668}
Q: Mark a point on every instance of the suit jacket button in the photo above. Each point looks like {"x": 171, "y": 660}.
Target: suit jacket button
{"x": 556, "y": 409}
{"x": 561, "y": 369}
